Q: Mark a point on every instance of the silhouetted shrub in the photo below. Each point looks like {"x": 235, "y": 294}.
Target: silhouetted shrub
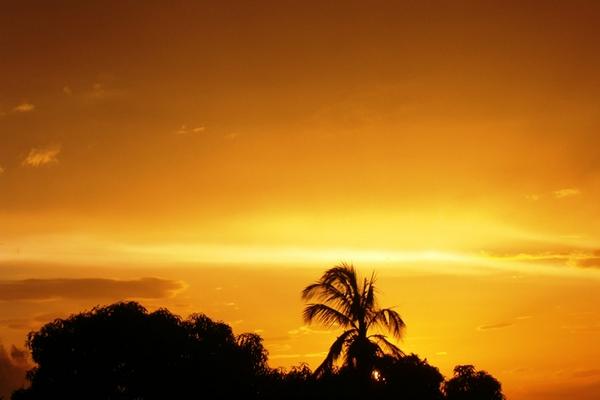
{"x": 468, "y": 384}
{"x": 409, "y": 378}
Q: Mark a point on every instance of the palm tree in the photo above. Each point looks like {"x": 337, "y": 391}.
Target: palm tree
{"x": 345, "y": 303}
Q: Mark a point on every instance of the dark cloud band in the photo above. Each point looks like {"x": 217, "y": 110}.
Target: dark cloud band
{"x": 48, "y": 289}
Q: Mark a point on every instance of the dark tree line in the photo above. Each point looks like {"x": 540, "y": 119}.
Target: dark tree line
{"x": 124, "y": 352}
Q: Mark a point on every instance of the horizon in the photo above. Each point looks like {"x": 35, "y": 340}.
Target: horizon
{"x": 217, "y": 158}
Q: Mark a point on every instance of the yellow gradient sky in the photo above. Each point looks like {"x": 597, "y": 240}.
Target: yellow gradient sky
{"x": 231, "y": 152}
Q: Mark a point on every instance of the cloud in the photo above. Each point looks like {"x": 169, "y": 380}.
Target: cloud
{"x": 306, "y": 330}
{"x": 1, "y": 170}
{"x": 320, "y": 354}
{"x": 19, "y": 356}
{"x": 533, "y": 197}
{"x": 98, "y": 91}
{"x": 67, "y": 90}
{"x": 523, "y": 317}
{"x": 42, "y": 156}
{"x": 587, "y": 328}
{"x": 13, "y": 366}
{"x": 568, "y": 192}
{"x": 582, "y": 258}
{"x": 494, "y": 326}
{"x": 284, "y": 356}
{"x": 109, "y": 289}
{"x": 589, "y": 262}
{"x": 17, "y": 324}
{"x": 185, "y": 130}
{"x": 24, "y": 107}
{"x": 586, "y": 373}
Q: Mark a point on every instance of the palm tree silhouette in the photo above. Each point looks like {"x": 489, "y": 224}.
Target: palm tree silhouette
{"x": 346, "y": 304}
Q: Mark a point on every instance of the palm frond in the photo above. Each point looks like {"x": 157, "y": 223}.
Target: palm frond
{"x": 326, "y": 315}
{"x": 389, "y": 320}
{"x": 392, "y": 348}
{"x": 334, "y": 353}
{"x": 369, "y": 298}
{"x": 344, "y": 275}
{"x": 328, "y": 293}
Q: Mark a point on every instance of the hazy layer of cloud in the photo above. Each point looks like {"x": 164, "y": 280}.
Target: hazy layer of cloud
{"x": 110, "y": 289}
{"x": 38, "y": 157}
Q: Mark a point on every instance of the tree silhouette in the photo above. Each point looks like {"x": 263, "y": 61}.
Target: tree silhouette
{"x": 123, "y": 352}
{"x": 409, "y": 378}
{"x": 468, "y": 384}
{"x": 349, "y": 304}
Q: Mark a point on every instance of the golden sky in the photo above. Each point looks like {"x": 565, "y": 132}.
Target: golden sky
{"x": 217, "y": 157}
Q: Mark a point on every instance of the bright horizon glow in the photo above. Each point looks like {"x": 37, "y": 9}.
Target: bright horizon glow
{"x": 87, "y": 251}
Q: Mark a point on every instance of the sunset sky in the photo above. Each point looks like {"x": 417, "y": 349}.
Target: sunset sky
{"x": 218, "y": 156}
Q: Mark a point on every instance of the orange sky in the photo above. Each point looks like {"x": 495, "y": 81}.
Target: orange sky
{"x": 235, "y": 151}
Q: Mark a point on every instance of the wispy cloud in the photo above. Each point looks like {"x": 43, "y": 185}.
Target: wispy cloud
{"x": 523, "y": 317}
{"x": 187, "y": 130}
{"x": 494, "y": 326}
{"x": 38, "y": 157}
{"x": 19, "y": 324}
{"x": 1, "y": 170}
{"x": 67, "y": 90}
{"x": 100, "y": 91}
{"x": 567, "y": 192}
{"x": 306, "y": 330}
{"x": 320, "y": 354}
{"x": 24, "y": 107}
{"x": 504, "y": 324}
